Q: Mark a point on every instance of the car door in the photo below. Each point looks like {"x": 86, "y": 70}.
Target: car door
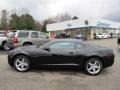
{"x": 63, "y": 52}
{"x": 81, "y": 52}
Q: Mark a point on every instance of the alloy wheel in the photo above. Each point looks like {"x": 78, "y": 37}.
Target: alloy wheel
{"x": 21, "y": 63}
{"x": 93, "y": 66}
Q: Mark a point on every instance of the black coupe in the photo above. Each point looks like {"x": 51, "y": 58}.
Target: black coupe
{"x": 91, "y": 58}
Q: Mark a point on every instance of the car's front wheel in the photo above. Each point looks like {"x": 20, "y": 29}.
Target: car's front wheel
{"x": 93, "y": 66}
{"x": 22, "y": 63}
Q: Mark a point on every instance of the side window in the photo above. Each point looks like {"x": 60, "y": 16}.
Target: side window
{"x": 42, "y": 35}
{"x": 62, "y": 45}
{"x": 79, "y": 46}
{"x": 23, "y": 34}
{"x": 34, "y": 35}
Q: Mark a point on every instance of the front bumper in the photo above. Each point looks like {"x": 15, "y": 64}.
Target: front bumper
{"x": 10, "y": 61}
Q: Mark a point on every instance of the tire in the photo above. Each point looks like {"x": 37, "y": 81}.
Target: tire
{"x": 102, "y": 37}
{"x": 5, "y": 46}
{"x": 27, "y": 44}
{"x": 21, "y": 63}
{"x": 93, "y": 66}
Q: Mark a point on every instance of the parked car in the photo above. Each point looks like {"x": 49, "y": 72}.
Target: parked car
{"x": 5, "y": 32}
{"x": 80, "y": 37}
{"x": 25, "y": 37}
{"x": 2, "y": 32}
{"x": 91, "y": 58}
{"x": 117, "y": 35}
{"x": 103, "y": 36}
{"x": 3, "y": 42}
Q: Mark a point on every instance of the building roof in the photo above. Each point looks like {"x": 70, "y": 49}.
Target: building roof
{"x": 83, "y": 22}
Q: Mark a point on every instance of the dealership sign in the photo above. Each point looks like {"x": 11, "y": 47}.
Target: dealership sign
{"x": 86, "y": 22}
{"x": 105, "y": 25}
{"x": 69, "y": 25}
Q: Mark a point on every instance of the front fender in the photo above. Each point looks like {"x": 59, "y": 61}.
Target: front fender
{"x": 12, "y": 54}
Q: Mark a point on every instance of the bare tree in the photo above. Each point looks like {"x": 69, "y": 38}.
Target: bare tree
{"x": 59, "y": 18}
{"x": 38, "y": 26}
{"x": 63, "y": 17}
{"x": 4, "y": 20}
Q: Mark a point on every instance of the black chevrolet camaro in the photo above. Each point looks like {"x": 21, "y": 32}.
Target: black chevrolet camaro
{"x": 91, "y": 58}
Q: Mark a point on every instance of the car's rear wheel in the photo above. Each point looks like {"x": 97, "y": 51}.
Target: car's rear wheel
{"x": 22, "y": 63}
{"x": 93, "y": 66}
{"x": 5, "y": 46}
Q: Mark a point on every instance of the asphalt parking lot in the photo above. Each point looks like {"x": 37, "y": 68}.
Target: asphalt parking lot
{"x": 61, "y": 78}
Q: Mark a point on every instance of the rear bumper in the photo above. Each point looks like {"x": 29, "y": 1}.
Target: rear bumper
{"x": 12, "y": 46}
{"x": 17, "y": 45}
{"x": 108, "y": 60}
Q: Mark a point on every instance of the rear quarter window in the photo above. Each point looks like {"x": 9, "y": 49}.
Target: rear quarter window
{"x": 42, "y": 35}
{"x": 79, "y": 46}
{"x": 34, "y": 35}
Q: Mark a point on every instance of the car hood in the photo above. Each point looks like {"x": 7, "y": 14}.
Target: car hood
{"x": 30, "y": 47}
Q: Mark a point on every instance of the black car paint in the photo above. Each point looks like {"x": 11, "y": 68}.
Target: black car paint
{"x": 42, "y": 55}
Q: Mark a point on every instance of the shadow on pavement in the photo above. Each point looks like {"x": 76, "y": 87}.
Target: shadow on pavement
{"x": 66, "y": 70}
{"x": 74, "y": 69}
{"x": 3, "y": 51}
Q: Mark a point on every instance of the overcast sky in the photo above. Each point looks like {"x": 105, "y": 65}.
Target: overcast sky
{"x": 42, "y": 9}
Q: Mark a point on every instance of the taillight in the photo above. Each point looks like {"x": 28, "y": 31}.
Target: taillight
{"x": 15, "y": 40}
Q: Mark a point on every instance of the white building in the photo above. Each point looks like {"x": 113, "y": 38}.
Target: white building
{"x": 85, "y": 26}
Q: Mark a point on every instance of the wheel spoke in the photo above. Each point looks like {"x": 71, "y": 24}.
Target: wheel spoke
{"x": 96, "y": 67}
{"x": 22, "y": 67}
{"x": 90, "y": 64}
{"x": 25, "y": 64}
{"x": 18, "y": 65}
{"x": 95, "y": 63}
{"x": 23, "y": 60}
{"x": 94, "y": 70}
{"x": 90, "y": 68}
{"x": 18, "y": 61}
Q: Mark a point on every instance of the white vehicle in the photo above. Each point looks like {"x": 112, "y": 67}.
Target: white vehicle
{"x": 103, "y": 36}
{"x": 20, "y": 38}
{"x": 3, "y": 42}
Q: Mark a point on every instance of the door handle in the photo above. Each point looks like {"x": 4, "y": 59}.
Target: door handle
{"x": 71, "y": 52}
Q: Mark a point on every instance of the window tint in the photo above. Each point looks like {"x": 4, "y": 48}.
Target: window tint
{"x": 79, "y": 46}
{"x": 23, "y": 34}
{"x": 34, "y": 35}
{"x": 42, "y": 35}
{"x": 62, "y": 45}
